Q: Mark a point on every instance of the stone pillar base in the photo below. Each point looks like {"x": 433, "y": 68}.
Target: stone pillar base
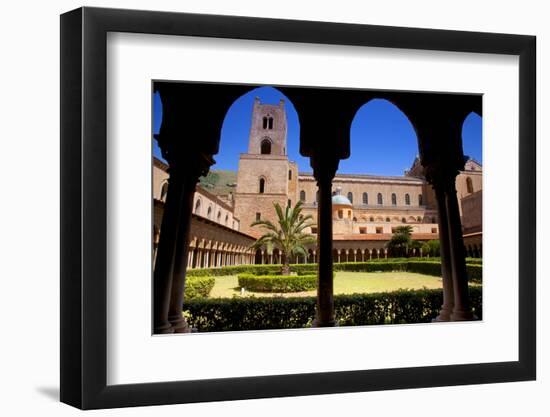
{"x": 164, "y": 329}
{"x": 442, "y": 317}
{"x": 463, "y": 315}
{"x": 179, "y": 324}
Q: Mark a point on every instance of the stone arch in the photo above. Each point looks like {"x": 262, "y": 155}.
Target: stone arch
{"x": 197, "y": 206}
{"x": 164, "y": 191}
{"x": 265, "y": 146}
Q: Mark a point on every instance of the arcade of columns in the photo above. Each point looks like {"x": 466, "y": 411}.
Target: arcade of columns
{"x": 211, "y": 254}
{"x": 190, "y": 111}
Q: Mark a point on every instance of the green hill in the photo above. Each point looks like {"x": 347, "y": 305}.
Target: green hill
{"x": 219, "y": 182}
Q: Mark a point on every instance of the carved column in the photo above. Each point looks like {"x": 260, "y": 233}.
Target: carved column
{"x": 324, "y": 170}
{"x": 461, "y": 310}
{"x": 445, "y": 254}
{"x": 192, "y": 173}
{"x": 162, "y": 276}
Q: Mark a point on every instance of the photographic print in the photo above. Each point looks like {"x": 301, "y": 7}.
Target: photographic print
{"x": 281, "y": 207}
{"x": 237, "y": 183}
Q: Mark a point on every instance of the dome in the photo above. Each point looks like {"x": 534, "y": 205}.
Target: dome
{"x": 339, "y": 200}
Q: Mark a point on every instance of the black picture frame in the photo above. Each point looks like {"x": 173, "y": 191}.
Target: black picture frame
{"x": 84, "y": 207}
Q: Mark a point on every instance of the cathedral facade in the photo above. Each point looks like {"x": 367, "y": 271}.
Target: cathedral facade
{"x": 366, "y": 208}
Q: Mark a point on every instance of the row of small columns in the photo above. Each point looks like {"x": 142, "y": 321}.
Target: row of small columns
{"x": 212, "y": 258}
{"x": 362, "y": 255}
{"x": 269, "y": 258}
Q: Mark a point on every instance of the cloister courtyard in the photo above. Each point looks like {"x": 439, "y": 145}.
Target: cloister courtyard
{"x": 344, "y": 283}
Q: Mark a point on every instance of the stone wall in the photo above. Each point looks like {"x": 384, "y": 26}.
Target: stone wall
{"x": 472, "y": 212}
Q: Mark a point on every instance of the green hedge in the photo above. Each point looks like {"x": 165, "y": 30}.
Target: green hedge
{"x": 251, "y": 313}
{"x": 474, "y": 271}
{"x": 235, "y": 270}
{"x": 277, "y": 283}
{"x": 198, "y": 287}
{"x": 428, "y": 266}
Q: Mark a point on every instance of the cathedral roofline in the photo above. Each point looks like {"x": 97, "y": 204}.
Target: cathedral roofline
{"x": 369, "y": 177}
{"x": 160, "y": 164}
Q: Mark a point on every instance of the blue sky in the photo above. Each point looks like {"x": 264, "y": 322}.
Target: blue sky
{"x": 383, "y": 141}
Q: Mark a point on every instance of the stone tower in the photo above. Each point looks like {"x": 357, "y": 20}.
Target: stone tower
{"x": 265, "y": 174}
{"x": 268, "y": 129}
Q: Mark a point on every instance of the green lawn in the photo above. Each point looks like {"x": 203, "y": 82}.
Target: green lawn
{"x": 344, "y": 283}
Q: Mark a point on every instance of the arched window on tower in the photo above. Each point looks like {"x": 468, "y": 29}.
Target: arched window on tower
{"x": 365, "y": 198}
{"x": 350, "y": 197}
{"x": 262, "y": 185}
{"x": 209, "y": 213}
{"x": 379, "y": 199}
{"x": 393, "y": 199}
{"x": 469, "y": 185}
{"x": 420, "y": 199}
{"x": 265, "y": 147}
{"x": 407, "y": 200}
{"x": 289, "y": 174}
{"x": 302, "y": 196}
{"x": 164, "y": 191}
{"x": 267, "y": 122}
{"x": 197, "y": 206}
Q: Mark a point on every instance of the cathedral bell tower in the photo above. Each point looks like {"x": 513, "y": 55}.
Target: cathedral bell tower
{"x": 268, "y": 129}
{"x": 265, "y": 174}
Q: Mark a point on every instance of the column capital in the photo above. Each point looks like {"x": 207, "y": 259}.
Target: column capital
{"x": 441, "y": 176}
{"x": 324, "y": 167}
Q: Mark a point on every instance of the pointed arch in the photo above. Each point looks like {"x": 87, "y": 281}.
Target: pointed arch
{"x": 265, "y": 146}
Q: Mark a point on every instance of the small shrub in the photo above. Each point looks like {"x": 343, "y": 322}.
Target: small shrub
{"x": 198, "y": 287}
{"x": 277, "y": 283}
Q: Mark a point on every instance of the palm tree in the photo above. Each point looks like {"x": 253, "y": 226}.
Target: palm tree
{"x": 287, "y": 235}
{"x": 400, "y": 240}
